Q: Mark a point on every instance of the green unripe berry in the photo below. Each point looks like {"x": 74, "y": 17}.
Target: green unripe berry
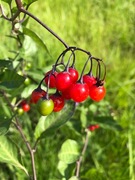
{"x": 20, "y": 111}
{"x": 45, "y": 106}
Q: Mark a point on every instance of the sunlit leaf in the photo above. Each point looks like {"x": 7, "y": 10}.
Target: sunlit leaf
{"x": 35, "y": 38}
{"x": 29, "y": 1}
{"x": 40, "y": 127}
{"x": 10, "y": 79}
{"x": 7, "y": 1}
{"x": 62, "y": 167}
{"x": 69, "y": 152}
{"x": 29, "y": 46}
{"x": 8, "y": 153}
{"x": 55, "y": 120}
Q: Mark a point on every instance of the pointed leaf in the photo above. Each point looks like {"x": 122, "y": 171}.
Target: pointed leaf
{"x": 40, "y": 127}
{"x": 69, "y": 152}
{"x": 29, "y": 46}
{"x": 10, "y": 79}
{"x": 62, "y": 167}
{"x": 35, "y": 38}
{"x": 8, "y": 153}
{"x": 55, "y": 120}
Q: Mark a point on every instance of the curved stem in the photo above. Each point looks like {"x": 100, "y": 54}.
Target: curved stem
{"x": 82, "y": 73}
{"x": 67, "y": 65}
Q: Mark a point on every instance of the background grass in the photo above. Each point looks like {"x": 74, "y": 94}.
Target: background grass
{"x": 107, "y": 29}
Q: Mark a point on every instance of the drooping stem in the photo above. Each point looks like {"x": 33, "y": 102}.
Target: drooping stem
{"x": 84, "y": 67}
{"x": 78, "y": 163}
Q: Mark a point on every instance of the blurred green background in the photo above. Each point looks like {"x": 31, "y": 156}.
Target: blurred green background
{"x": 107, "y": 29}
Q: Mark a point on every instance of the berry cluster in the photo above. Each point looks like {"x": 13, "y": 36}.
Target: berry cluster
{"x": 23, "y": 107}
{"x": 68, "y": 84}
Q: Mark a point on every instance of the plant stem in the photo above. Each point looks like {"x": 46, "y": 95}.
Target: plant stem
{"x": 18, "y": 127}
{"x": 82, "y": 154}
{"x": 31, "y": 151}
{"x": 21, "y": 9}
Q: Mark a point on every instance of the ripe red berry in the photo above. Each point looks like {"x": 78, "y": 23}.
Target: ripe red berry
{"x": 66, "y": 93}
{"x": 93, "y": 127}
{"x": 79, "y": 92}
{"x": 25, "y": 106}
{"x": 90, "y": 80}
{"x": 58, "y": 102}
{"x": 36, "y": 95}
{"x": 74, "y": 74}
{"x": 97, "y": 93}
{"x": 53, "y": 76}
{"x": 63, "y": 81}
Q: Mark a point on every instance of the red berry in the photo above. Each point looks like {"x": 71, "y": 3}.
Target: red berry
{"x": 90, "y": 80}
{"x": 63, "y": 81}
{"x": 93, "y": 127}
{"x": 36, "y": 95}
{"x": 58, "y": 102}
{"x": 66, "y": 93}
{"x": 97, "y": 126}
{"x": 52, "y": 78}
{"x": 79, "y": 92}
{"x": 97, "y": 93}
{"x": 26, "y": 107}
{"x": 74, "y": 74}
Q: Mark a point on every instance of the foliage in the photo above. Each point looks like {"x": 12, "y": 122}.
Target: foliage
{"x": 105, "y": 28}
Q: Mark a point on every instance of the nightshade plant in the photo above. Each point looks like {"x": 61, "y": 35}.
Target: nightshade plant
{"x": 56, "y": 96}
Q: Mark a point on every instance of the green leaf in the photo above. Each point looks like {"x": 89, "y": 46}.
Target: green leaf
{"x": 94, "y": 174}
{"x": 107, "y": 122}
{"x": 4, "y": 123}
{"x": 62, "y": 167}
{"x": 29, "y": 46}
{"x": 35, "y": 38}
{"x": 5, "y": 64}
{"x": 40, "y": 127}
{"x": 69, "y": 152}
{"x": 7, "y": 1}
{"x": 10, "y": 80}
{"x": 55, "y": 120}
{"x": 8, "y": 153}
{"x": 29, "y": 1}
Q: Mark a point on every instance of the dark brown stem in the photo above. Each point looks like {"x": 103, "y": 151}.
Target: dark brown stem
{"x": 78, "y": 163}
